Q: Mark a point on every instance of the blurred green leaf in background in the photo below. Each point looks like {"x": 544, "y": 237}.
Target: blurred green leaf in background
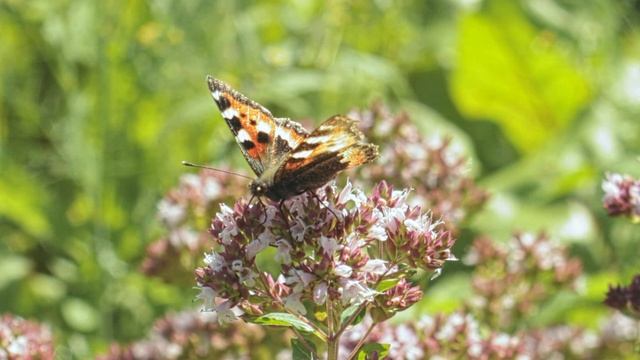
{"x": 516, "y": 75}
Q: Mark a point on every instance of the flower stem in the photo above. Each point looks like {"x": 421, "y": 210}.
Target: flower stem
{"x": 333, "y": 339}
{"x": 355, "y": 350}
{"x": 351, "y": 319}
{"x": 332, "y": 352}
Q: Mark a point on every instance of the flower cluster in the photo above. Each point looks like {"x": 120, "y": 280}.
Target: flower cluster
{"x": 23, "y": 339}
{"x": 563, "y": 342}
{"x": 435, "y": 168}
{"x": 625, "y": 298}
{"x": 461, "y": 336}
{"x": 621, "y": 195}
{"x": 442, "y": 336}
{"x": 184, "y": 211}
{"x": 196, "y": 335}
{"x": 510, "y": 281}
{"x": 337, "y": 250}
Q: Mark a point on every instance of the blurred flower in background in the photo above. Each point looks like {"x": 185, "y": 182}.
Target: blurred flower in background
{"x": 621, "y": 195}
{"x": 510, "y": 282}
{"x": 510, "y": 285}
{"x": 25, "y": 339}
{"x": 197, "y": 335}
{"x": 437, "y": 171}
{"x": 185, "y": 213}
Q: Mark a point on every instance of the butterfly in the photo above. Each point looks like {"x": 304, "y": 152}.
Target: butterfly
{"x": 286, "y": 158}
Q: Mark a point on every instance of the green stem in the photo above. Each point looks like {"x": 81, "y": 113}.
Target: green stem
{"x": 332, "y": 352}
{"x": 333, "y": 339}
{"x": 355, "y": 350}
{"x": 351, "y": 318}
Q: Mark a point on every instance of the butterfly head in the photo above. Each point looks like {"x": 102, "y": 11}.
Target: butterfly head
{"x": 258, "y": 187}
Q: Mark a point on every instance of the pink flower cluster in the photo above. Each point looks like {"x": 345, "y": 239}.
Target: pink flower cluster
{"x": 184, "y": 211}
{"x": 461, "y": 336}
{"x": 23, "y": 339}
{"x": 621, "y": 195}
{"x": 452, "y": 336}
{"x": 335, "y": 247}
{"x": 509, "y": 282}
{"x": 435, "y": 168}
{"x": 197, "y": 335}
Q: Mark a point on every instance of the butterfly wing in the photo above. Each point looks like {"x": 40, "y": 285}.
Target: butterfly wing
{"x": 288, "y": 135}
{"x": 263, "y": 139}
{"x": 252, "y": 124}
{"x": 335, "y": 145}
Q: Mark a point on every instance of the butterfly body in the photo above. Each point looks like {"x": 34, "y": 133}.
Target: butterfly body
{"x": 287, "y": 159}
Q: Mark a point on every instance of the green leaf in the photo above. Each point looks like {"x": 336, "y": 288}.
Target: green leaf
{"x": 348, "y": 312}
{"x": 301, "y": 352}
{"x": 512, "y": 73}
{"x": 386, "y": 284}
{"x": 379, "y": 350}
{"x": 47, "y": 288}
{"x": 80, "y": 315}
{"x": 23, "y": 200}
{"x": 284, "y": 319}
{"x": 13, "y": 268}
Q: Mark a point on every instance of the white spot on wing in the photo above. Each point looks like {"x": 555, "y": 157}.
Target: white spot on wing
{"x": 216, "y": 95}
{"x": 243, "y": 135}
{"x": 285, "y": 135}
{"x": 317, "y": 139}
{"x": 229, "y": 113}
{"x": 337, "y": 147}
{"x": 301, "y": 154}
{"x": 264, "y": 126}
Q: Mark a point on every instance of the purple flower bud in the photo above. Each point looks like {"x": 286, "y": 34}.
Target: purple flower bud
{"x": 617, "y": 297}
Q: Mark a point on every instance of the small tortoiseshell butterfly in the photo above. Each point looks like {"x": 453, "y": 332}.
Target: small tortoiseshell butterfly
{"x": 287, "y": 159}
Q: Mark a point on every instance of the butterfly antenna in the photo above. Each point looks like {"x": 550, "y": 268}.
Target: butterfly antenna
{"x": 186, "y": 163}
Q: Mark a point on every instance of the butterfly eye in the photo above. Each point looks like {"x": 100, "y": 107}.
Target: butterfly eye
{"x": 257, "y": 188}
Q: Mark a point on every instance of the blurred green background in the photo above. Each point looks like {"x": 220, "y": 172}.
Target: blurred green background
{"x": 101, "y": 100}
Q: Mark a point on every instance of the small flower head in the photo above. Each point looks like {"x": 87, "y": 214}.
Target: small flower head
{"x": 621, "y": 195}
{"x": 24, "y": 339}
{"x": 625, "y": 298}
{"x": 399, "y": 297}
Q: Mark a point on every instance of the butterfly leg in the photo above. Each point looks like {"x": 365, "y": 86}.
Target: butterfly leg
{"x": 262, "y": 205}
{"x": 338, "y": 220}
{"x": 320, "y": 201}
{"x": 284, "y": 213}
{"x": 264, "y": 211}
